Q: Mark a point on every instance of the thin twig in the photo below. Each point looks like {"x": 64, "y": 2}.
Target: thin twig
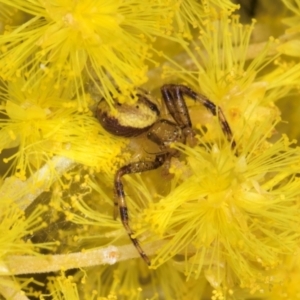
{"x": 25, "y": 192}
{"x": 22, "y": 264}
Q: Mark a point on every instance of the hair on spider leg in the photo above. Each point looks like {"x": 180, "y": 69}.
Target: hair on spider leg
{"x": 144, "y": 118}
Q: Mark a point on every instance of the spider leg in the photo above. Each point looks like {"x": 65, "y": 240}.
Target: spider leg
{"x": 173, "y": 97}
{"x": 135, "y": 167}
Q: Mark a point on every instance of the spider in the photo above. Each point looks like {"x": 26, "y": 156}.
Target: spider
{"x": 161, "y": 131}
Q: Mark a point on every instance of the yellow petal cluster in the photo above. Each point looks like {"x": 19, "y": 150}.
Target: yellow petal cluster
{"x": 217, "y": 221}
{"x": 107, "y": 42}
{"x": 236, "y": 217}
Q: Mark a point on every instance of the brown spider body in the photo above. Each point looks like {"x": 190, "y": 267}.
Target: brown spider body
{"x": 128, "y": 120}
{"x": 162, "y": 132}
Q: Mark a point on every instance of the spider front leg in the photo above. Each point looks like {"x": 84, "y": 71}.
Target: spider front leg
{"x": 120, "y": 202}
{"x": 173, "y": 97}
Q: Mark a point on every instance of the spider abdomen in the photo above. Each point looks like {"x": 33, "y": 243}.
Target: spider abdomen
{"x": 128, "y": 120}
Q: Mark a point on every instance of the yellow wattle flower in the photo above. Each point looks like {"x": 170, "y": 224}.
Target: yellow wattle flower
{"x": 224, "y": 219}
{"x": 16, "y": 240}
{"x": 235, "y": 217}
{"x": 106, "y": 42}
{"x": 43, "y": 122}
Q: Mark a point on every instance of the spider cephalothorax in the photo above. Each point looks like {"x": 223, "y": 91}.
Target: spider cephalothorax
{"x": 162, "y": 132}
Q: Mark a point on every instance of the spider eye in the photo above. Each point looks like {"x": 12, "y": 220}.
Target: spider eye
{"x": 153, "y": 107}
